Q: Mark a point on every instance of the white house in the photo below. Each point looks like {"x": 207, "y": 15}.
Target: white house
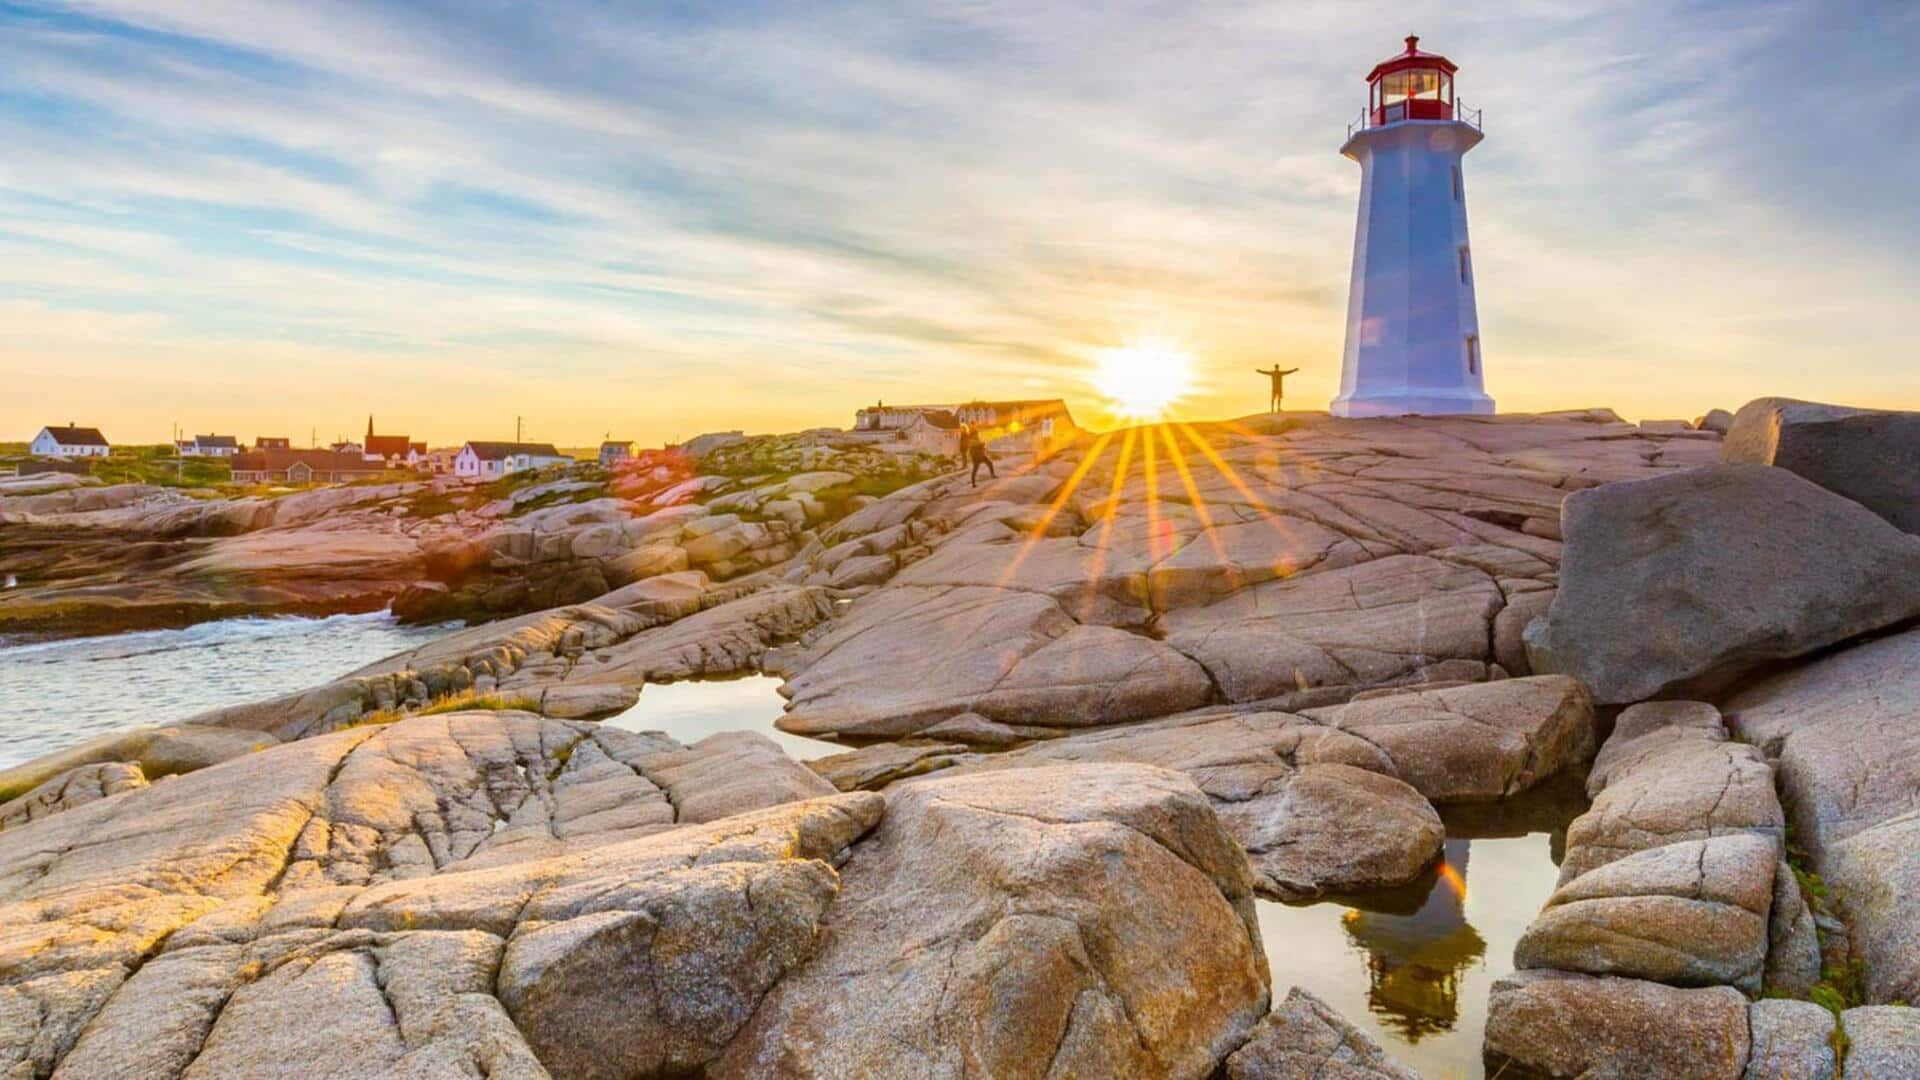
{"x": 69, "y": 442}
{"x": 1039, "y": 425}
{"x": 492, "y": 460}
{"x": 1413, "y": 332}
{"x": 222, "y": 446}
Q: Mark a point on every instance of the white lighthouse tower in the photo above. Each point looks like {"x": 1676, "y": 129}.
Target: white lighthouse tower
{"x": 1413, "y": 337}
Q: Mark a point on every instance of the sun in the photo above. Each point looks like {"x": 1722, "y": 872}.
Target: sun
{"x": 1142, "y": 379}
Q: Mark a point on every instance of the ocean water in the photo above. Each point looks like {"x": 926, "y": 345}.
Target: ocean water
{"x": 54, "y": 694}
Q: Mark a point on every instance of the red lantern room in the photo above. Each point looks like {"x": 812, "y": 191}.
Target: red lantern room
{"x": 1414, "y": 85}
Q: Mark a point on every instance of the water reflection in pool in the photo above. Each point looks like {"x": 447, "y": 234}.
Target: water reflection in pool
{"x": 1412, "y": 967}
{"x": 692, "y": 710}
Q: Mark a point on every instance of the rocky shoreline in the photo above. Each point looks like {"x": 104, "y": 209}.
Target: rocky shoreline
{"x": 91, "y": 559}
{"x": 1092, "y": 710}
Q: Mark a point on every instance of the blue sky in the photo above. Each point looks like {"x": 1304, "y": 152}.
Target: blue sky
{"x": 658, "y": 219}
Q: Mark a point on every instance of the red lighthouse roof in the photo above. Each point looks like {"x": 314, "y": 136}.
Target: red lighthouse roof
{"x": 1413, "y": 85}
{"x": 1412, "y": 58}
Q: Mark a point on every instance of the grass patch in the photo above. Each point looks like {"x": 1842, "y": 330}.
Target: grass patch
{"x": 467, "y": 700}
{"x": 1840, "y": 987}
{"x": 428, "y": 504}
{"x": 1810, "y": 882}
{"x": 157, "y": 465}
{"x": 461, "y": 701}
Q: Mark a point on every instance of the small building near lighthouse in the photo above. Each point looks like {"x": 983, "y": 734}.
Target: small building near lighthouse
{"x": 1413, "y": 329}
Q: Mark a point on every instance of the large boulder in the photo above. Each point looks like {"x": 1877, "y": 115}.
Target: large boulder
{"x": 1681, "y": 781}
{"x": 1404, "y": 618}
{"x": 1845, "y": 732}
{"x": 460, "y": 894}
{"x": 1643, "y": 732}
{"x": 1336, "y": 828}
{"x": 1084, "y": 920}
{"x": 1718, "y": 421}
{"x": 1304, "y": 1039}
{"x": 1871, "y": 456}
{"x": 1559, "y": 1024}
{"x": 1693, "y": 913}
{"x": 1317, "y": 809}
{"x": 1012, "y": 656}
{"x": 1476, "y": 742}
{"x": 1687, "y": 580}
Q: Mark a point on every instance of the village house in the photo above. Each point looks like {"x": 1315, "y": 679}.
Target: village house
{"x": 391, "y": 449}
{"x": 1041, "y": 425}
{"x": 285, "y": 466}
{"x": 69, "y": 442}
{"x": 614, "y": 451}
{"x": 883, "y": 417}
{"x": 1035, "y": 426}
{"x": 272, "y": 442}
{"x": 208, "y": 446}
{"x": 932, "y": 431}
{"x": 439, "y": 461}
{"x": 492, "y": 460}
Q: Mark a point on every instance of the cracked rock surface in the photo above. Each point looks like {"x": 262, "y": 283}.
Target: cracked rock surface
{"x": 1654, "y": 603}
{"x": 1333, "y": 800}
{"x": 1304, "y": 1039}
{"x": 1119, "y": 701}
{"x": 503, "y": 894}
{"x": 419, "y": 887}
{"x": 1844, "y": 731}
{"x": 1050, "y": 949}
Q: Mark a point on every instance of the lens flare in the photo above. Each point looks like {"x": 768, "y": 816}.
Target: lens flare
{"x": 1142, "y": 379}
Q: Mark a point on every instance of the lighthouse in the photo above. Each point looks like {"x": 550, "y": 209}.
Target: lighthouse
{"x": 1413, "y": 336}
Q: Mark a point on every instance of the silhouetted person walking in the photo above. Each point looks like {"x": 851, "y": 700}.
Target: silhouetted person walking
{"x": 1279, "y": 384}
{"x": 973, "y": 451}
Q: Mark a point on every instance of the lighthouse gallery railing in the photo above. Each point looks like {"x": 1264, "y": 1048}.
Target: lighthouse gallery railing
{"x": 1470, "y": 117}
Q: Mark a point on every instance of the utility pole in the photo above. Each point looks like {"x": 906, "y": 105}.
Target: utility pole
{"x": 516, "y": 429}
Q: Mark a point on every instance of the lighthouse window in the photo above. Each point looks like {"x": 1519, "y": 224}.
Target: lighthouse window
{"x": 1463, "y": 266}
{"x": 1416, "y": 83}
{"x": 1473, "y": 354}
{"x": 1456, "y": 183}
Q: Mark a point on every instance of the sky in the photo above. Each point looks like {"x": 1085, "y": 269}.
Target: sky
{"x": 649, "y": 220}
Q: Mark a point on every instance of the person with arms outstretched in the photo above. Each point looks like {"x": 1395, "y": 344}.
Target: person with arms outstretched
{"x": 1279, "y": 384}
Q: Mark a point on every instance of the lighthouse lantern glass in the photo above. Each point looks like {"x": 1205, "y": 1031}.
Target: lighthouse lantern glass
{"x": 1412, "y": 93}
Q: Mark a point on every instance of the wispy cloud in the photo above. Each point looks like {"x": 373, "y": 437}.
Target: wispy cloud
{"x": 715, "y": 215}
